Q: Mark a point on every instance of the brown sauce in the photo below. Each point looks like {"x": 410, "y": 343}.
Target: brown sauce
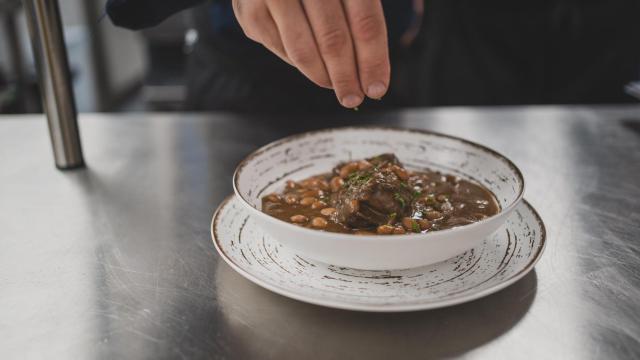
{"x": 379, "y": 196}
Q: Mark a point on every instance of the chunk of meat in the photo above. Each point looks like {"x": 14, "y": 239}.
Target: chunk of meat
{"x": 384, "y": 159}
{"x": 373, "y": 196}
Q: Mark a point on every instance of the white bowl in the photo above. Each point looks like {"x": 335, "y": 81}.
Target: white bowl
{"x": 297, "y": 157}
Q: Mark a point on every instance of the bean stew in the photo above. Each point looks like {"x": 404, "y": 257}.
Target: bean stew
{"x": 379, "y": 195}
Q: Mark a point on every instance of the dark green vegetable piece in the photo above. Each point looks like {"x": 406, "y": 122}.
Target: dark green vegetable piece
{"x": 414, "y": 226}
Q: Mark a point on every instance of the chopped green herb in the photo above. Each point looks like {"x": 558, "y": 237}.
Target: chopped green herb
{"x": 399, "y": 199}
{"x": 357, "y": 178}
{"x": 414, "y": 226}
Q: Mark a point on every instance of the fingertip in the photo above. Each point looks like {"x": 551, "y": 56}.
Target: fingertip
{"x": 376, "y": 90}
{"x": 351, "y": 101}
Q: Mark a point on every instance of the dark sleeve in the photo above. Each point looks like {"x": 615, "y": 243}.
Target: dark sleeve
{"x": 140, "y": 14}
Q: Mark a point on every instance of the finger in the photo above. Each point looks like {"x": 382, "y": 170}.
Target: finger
{"x": 369, "y": 34}
{"x": 331, "y": 31}
{"x": 298, "y": 41}
{"x": 258, "y": 25}
{"x": 271, "y": 39}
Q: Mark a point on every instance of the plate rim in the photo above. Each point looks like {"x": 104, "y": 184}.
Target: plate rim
{"x": 384, "y": 307}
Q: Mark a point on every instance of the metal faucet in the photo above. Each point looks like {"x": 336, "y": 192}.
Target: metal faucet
{"x": 49, "y": 51}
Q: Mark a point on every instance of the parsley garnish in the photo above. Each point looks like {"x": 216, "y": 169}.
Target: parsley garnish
{"x": 399, "y": 199}
{"x": 358, "y": 178}
{"x": 414, "y": 226}
{"x": 352, "y": 176}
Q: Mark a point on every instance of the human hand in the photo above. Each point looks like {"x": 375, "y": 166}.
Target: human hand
{"x": 337, "y": 44}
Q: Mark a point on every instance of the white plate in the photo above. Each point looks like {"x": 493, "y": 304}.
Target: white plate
{"x": 501, "y": 260}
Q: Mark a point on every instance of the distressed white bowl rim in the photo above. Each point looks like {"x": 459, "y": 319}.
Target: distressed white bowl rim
{"x": 367, "y": 238}
{"x": 336, "y": 304}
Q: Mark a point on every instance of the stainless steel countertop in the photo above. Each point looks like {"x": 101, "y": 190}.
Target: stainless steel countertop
{"x": 116, "y": 261}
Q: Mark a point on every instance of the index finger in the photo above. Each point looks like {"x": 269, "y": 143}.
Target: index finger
{"x": 369, "y": 34}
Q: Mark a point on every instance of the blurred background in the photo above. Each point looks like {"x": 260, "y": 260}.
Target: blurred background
{"x": 452, "y": 53}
